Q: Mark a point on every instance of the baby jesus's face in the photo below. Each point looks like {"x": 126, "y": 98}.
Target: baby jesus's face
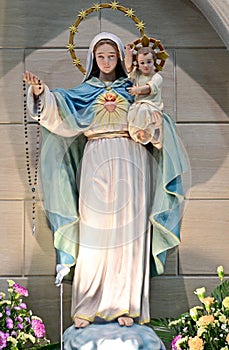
{"x": 146, "y": 63}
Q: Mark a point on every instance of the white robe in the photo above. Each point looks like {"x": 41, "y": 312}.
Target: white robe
{"x": 112, "y": 268}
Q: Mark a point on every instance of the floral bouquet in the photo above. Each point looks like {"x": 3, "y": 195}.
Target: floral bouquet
{"x": 19, "y": 328}
{"x": 204, "y": 327}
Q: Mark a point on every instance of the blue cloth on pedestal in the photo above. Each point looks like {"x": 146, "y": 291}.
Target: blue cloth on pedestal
{"x": 111, "y": 336}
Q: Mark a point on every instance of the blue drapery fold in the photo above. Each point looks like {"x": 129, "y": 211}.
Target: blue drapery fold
{"x": 169, "y": 195}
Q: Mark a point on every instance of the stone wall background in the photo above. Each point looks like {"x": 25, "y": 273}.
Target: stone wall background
{"x": 33, "y": 36}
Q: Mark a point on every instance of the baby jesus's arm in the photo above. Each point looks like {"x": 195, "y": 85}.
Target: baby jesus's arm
{"x": 129, "y": 58}
{"x": 139, "y": 90}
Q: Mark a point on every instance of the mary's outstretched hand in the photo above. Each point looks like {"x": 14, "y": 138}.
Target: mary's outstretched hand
{"x": 32, "y": 79}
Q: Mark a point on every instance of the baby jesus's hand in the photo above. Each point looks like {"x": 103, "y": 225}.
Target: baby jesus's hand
{"x": 133, "y": 90}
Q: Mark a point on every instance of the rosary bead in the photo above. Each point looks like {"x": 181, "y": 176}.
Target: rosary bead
{"x": 32, "y": 183}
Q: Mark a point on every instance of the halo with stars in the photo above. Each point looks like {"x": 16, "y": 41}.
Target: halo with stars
{"x": 129, "y": 12}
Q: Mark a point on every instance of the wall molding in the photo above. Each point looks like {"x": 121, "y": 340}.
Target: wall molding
{"x": 217, "y": 14}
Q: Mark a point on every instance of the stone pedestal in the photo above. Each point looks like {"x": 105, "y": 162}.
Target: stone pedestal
{"x": 111, "y": 336}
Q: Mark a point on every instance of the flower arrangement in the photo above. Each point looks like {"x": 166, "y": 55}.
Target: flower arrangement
{"x": 203, "y": 327}
{"x": 19, "y": 328}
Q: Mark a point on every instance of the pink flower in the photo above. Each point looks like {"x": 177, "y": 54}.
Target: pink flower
{"x": 174, "y": 342}
{"x": 7, "y": 311}
{"x": 23, "y": 306}
{"x": 27, "y": 320}
{"x": 20, "y": 290}
{"x": 19, "y": 319}
{"x": 38, "y": 328}
{"x": 20, "y": 326}
{"x": 17, "y": 308}
{"x": 9, "y": 323}
{"x": 3, "y": 339}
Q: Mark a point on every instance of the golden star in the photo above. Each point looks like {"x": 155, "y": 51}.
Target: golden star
{"x": 97, "y": 7}
{"x": 82, "y": 14}
{"x": 76, "y": 62}
{"x": 129, "y": 13}
{"x": 140, "y": 25}
{"x": 70, "y": 47}
{"x": 73, "y": 29}
{"x": 114, "y": 5}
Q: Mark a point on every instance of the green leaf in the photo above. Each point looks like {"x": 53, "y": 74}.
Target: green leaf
{"x": 52, "y": 346}
{"x": 161, "y": 327}
{"x": 221, "y": 291}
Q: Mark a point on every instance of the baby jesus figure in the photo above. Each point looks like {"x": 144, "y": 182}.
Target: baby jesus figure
{"x": 145, "y": 114}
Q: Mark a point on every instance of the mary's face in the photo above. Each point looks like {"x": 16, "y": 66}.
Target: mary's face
{"x": 106, "y": 58}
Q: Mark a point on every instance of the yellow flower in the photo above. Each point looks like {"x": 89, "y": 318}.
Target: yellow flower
{"x": 205, "y": 320}
{"x": 227, "y": 338}
{"x": 196, "y": 343}
{"x": 7, "y": 302}
{"x": 226, "y": 302}
{"x": 208, "y": 301}
{"x": 194, "y": 312}
{"x": 200, "y": 331}
{"x": 174, "y": 323}
{"x": 222, "y": 319}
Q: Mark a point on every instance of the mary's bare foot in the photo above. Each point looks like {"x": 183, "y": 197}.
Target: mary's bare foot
{"x": 80, "y": 322}
{"x": 125, "y": 321}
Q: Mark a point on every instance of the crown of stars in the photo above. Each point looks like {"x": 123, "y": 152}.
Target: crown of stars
{"x": 128, "y": 12}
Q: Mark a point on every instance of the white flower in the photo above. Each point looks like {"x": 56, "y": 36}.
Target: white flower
{"x": 220, "y": 272}
{"x": 200, "y": 292}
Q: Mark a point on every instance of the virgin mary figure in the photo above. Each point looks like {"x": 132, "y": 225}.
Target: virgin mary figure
{"x": 113, "y": 204}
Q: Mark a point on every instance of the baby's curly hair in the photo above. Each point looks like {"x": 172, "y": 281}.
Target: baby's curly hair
{"x": 145, "y": 50}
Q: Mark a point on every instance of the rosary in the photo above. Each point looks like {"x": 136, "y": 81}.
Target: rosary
{"x": 32, "y": 179}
